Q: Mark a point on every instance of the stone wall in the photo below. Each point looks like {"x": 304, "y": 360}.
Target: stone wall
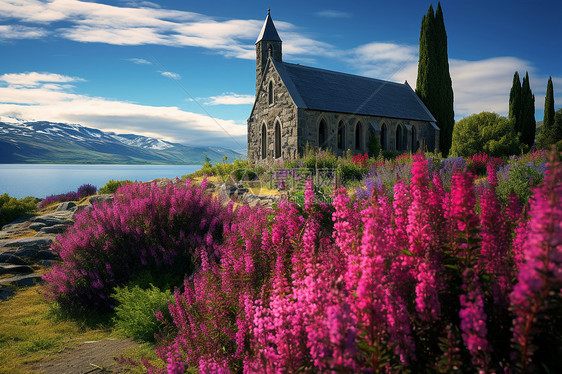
{"x": 309, "y": 122}
{"x": 282, "y": 110}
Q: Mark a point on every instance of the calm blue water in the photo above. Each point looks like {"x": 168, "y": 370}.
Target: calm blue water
{"x": 40, "y": 180}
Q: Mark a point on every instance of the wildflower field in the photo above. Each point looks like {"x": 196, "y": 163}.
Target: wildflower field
{"x": 416, "y": 264}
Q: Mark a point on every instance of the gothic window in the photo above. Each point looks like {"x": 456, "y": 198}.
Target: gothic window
{"x": 384, "y": 131}
{"x": 263, "y": 141}
{"x": 270, "y": 50}
{"x": 341, "y": 135}
{"x": 277, "y": 140}
{"x": 322, "y": 134}
{"x": 270, "y": 93}
{"x": 399, "y": 132}
{"x": 414, "y": 146}
{"x": 359, "y": 136}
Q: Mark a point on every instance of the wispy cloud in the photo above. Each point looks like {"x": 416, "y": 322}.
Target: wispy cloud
{"x": 169, "y": 74}
{"x": 140, "y": 23}
{"x": 330, "y": 13}
{"x": 41, "y": 96}
{"x": 139, "y": 61}
{"x": 21, "y": 32}
{"x": 229, "y": 98}
{"x": 35, "y": 79}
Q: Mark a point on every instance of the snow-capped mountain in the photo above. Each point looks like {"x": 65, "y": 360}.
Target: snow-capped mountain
{"x": 48, "y": 142}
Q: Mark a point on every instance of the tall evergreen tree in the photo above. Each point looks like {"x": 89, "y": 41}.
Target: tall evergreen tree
{"x": 446, "y": 114}
{"x": 515, "y": 103}
{"x": 433, "y": 84}
{"x": 548, "y": 120}
{"x": 528, "y": 122}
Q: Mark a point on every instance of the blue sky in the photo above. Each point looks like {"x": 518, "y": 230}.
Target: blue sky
{"x": 184, "y": 71}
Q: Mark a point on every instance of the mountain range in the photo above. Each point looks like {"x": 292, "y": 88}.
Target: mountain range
{"x": 49, "y": 142}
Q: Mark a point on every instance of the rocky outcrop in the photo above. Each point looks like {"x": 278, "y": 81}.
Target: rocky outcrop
{"x": 25, "y": 244}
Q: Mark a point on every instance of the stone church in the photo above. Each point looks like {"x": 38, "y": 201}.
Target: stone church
{"x": 297, "y": 105}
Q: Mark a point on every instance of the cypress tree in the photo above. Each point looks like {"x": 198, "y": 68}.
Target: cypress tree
{"x": 446, "y": 114}
{"x": 427, "y": 60}
{"x": 527, "y": 117}
{"x": 433, "y": 84}
{"x": 548, "y": 120}
{"x": 515, "y": 103}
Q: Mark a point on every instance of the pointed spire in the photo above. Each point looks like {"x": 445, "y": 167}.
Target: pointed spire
{"x": 268, "y": 31}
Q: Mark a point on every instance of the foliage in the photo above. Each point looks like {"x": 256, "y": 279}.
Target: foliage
{"x": 414, "y": 279}
{"x": 515, "y": 103}
{"x": 519, "y": 178}
{"x": 434, "y": 86}
{"x": 374, "y": 146}
{"x": 484, "y": 132}
{"x": 146, "y": 228}
{"x": 112, "y": 185}
{"x": 135, "y": 312}
{"x": 82, "y": 192}
{"x": 12, "y": 208}
{"x": 527, "y": 117}
{"x": 551, "y": 132}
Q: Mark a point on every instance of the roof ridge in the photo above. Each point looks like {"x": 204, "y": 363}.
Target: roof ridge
{"x": 342, "y": 73}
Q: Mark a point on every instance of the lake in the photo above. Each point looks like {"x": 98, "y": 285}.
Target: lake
{"x": 41, "y": 180}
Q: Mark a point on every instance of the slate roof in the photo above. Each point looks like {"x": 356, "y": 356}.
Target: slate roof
{"x": 268, "y": 31}
{"x": 331, "y": 91}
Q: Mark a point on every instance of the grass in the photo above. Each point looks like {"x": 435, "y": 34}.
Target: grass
{"x": 30, "y": 332}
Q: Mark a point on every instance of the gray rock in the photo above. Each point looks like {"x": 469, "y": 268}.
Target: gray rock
{"x": 99, "y": 199}
{"x": 46, "y": 255}
{"x": 55, "y": 229}
{"x": 33, "y": 242}
{"x": 22, "y": 280}
{"x": 54, "y": 218}
{"x": 67, "y": 205}
{"x": 36, "y": 226}
{"x": 14, "y": 269}
{"x": 10, "y": 257}
{"x": 6, "y": 293}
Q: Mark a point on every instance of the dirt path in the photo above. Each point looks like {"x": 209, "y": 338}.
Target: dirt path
{"x": 89, "y": 357}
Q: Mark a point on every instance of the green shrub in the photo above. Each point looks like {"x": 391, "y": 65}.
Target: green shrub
{"x": 389, "y": 155}
{"x": 520, "y": 178}
{"x": 112, "y": 186}
{"x": 485, "y": 133}
{"x": 135, "y": 313}
{"x": 12, "y": 208}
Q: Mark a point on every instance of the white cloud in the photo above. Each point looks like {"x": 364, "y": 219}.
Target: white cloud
{"x": 230, "y": 98}
{"x": 383, "y": 59}
{"x": 330, "y": 13}
{"x": 25, "y": 96}
{"x": 169, "y": 74}
{"x": 21, "y": 32}
{"x": 135, "y": 24}
{"x": 139, "y": 61}
{"x": 35, "y": 79}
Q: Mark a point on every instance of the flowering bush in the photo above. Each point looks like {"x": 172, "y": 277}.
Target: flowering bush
{"x": 146, "y": 228}
{"x": 82, "y": 192}
{"x": 361, "y": 160}
{"x": 421, "y": 280}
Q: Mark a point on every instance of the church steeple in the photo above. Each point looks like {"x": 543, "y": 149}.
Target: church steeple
{"x": 268, "y": 45}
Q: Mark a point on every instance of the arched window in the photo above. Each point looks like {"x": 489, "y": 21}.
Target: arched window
{"x": 414, "y": 146}
{"x": 270, "y": 50}
{"x": 322, "y": 134}
{"x": 270, "y": 93}
{"x": 263, "y": 141}
{"x": 384, "y": 131}
{"x": 399, "y": 138}
{"x": 359, "y": 136}
{"x": 341, "y": 135}
{"x": 277, "y": 140}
